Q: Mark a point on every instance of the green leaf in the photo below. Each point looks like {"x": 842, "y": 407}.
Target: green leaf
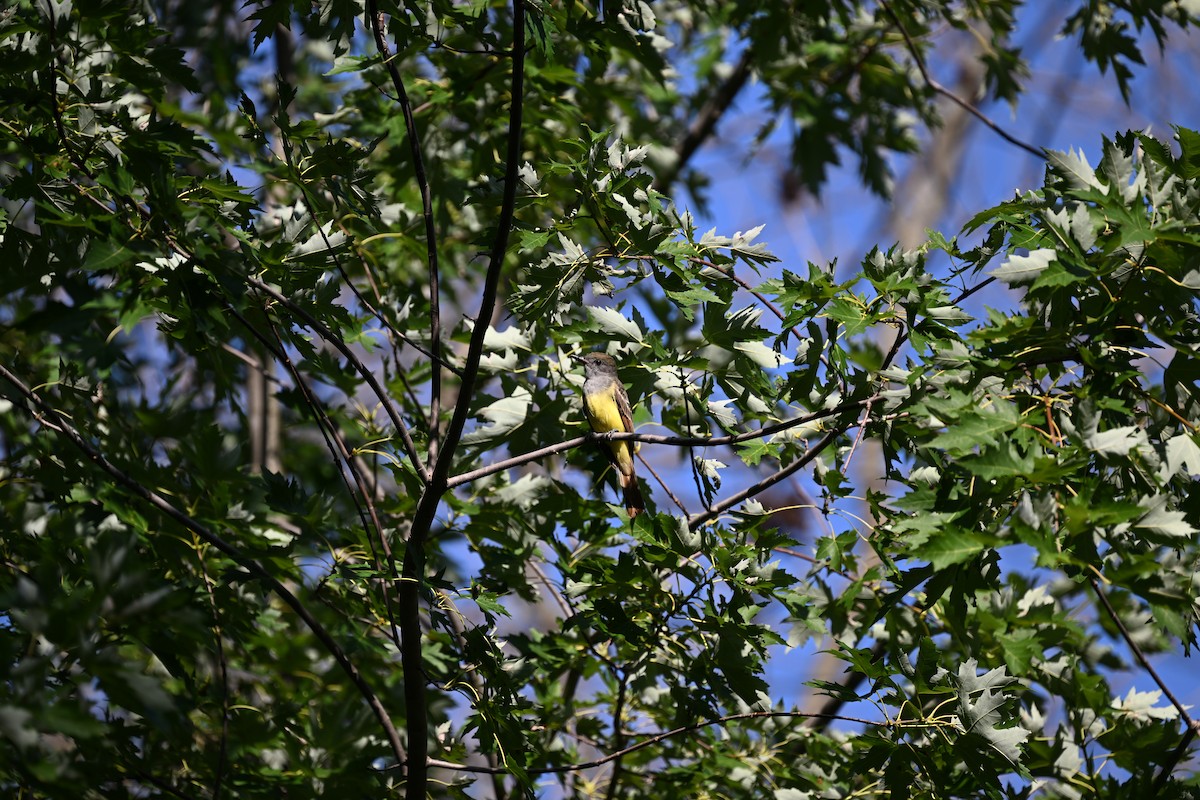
{"x": 504, "y": 416}
{"x": 978, "y": 430}
{"x": 980, "y": 710}
{"x": 1074, "y": 168}
{"x": 1163, "y": 522}
{"x": 950, "y": 547}
{"x": 105, "y": 255}
{"x": 1018, "y": 270}
{"x": 611, "y": 322}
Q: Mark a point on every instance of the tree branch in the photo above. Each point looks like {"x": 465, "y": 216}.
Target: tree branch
{"x": 654, "y": 438}
{"x": 666, "y": 487}
{"x": 414, "y": 143}
{"x": 1139, "y": 655}
{"x": 384, "y": 398}
{"x": 933, "y": 84}
{"x": 660, "y": 737}
{"x": 705, "y": 123}
{"x": 412, "y": 576}
{"x": 1190, "y": 724}
{"x": 336, "y": 445}
{"x": 696, "y": 520}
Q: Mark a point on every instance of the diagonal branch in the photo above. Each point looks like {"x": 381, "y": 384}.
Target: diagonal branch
{"x": 57, "y": 422}
{"x": 666, "y": 487}
{"x": 937, "y": 87}
{"x": 1191, "y": 725}
{"x": 375, "y": 17}
{"x": 385, "y": 400}
{"x": 341, "y": 453}
{"x": 705, "y": 123}
{"x": 336, "y": 444}
{"x": 696, "y": 520}
{"x": 1140, "y": 656}
{"x": 814, "y": 450}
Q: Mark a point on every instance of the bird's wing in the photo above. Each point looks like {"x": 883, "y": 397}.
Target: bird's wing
{"x": 624, "y": 408}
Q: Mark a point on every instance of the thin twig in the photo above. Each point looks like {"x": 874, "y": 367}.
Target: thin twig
{"x": 377, "y": 312}
{"x": 1146, "y": 665}
{"x": 862, "y": 429}
{"x": 384, "y": 398}
{"x": 558, "y": 597}
{"x": 336, "y": 444}
{"x": 666, "y": 488}
{"x": 933, "y": 84}
{"x": 312, "y": 202}
{"x": 696, "y": 520}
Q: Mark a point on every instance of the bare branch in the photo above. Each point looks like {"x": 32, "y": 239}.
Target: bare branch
{"x": 665, "y": 486}
{"x": 1191, "y": 727}
{"x": 336, "y": 444}
{"x": 1169, "y": 767}
{"x": 654, "y": 438}
{"x": 705, "y": 123}
{"x": 384, "y": 398}
{"x": 933, "y": 84}
{"x": 696, "y": 520}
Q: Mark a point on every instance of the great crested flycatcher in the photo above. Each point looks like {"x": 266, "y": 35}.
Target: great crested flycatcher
{"x": 607, "y": 408}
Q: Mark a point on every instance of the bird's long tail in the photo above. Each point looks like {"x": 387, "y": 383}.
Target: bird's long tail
{"x": 634, "y": 504}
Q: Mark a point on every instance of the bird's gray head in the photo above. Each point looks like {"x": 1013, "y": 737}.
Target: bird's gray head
{"x": 597, "y": 364}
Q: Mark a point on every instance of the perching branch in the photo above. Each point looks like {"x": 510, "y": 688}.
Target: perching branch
{"x": 654, "y": 438}
{"x": 660, "y": 737}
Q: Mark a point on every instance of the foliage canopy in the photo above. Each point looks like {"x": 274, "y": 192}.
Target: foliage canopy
{"x": 296, "y": 494}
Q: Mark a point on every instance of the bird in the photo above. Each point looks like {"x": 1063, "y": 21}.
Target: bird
{"x": 606, "y": 406}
